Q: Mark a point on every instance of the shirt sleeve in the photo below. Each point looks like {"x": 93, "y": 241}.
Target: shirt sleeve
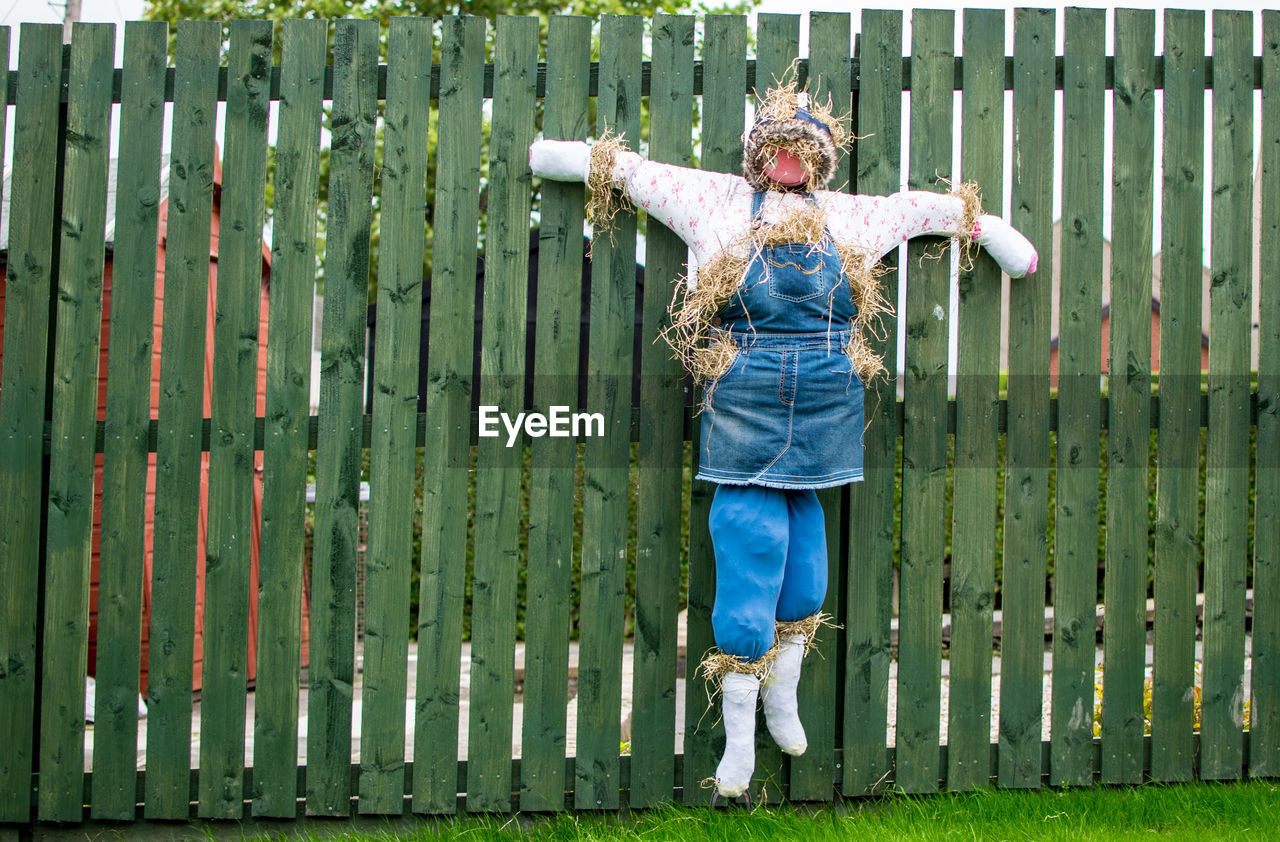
{"x": 697, "y": 205}
{"x": 881, "y": 223}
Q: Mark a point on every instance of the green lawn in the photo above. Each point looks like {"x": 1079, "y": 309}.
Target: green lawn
{"x": 1236, "y": 811}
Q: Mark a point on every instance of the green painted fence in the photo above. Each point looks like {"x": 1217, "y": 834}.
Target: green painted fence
{"x": 1049, "y": 577}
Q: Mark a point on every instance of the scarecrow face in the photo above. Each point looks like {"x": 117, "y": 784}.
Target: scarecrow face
{"x": 786, "y": 169}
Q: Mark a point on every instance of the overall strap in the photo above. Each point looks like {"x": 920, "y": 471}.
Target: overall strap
{"x": 757, "y": 206}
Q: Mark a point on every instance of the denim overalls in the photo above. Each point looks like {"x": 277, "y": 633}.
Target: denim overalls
{"x": 789, "y": 412}
{"x": 785, "y": 419}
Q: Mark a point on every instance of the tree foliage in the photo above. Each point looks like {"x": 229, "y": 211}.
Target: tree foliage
{"x": 384, "y": 10}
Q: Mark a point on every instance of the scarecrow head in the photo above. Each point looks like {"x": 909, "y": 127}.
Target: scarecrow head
{"x": 793, "y": 144}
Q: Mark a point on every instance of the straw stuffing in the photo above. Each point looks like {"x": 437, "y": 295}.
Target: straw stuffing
{"x": 606, "y": 200}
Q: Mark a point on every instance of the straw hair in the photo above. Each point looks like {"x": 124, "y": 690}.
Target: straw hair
{"x": 783, "y": 100}
{"x": 776, "y": 128}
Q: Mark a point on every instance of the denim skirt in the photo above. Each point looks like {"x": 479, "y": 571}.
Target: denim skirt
{"x": 788, "y": 413}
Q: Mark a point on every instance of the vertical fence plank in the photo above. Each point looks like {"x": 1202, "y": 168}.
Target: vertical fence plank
{"x": 604, "y": 503}
{"x": 448, "y": 421}
{"x": 75, "y": 410}
{"x": 924, "y": 445}
{"x": 1227, "y": 459}
{"x": 125, "y": 451}
{"x": 777, "y": 45}
{"x": 1176, "y": 542}
{"x": 293, "y": 249}
{"x": 395, "y": 418}
{"x": 338, "y": 450}
{"x": 869, "y": 598}
{"x": 1075, "y": 567}
{"x": 551, "y": 497}
{"x": 1129, "y": 424}
{"x": 4, "y": 112}
{"x": 231, "y": 457}
{"x": 1264, "y": 726}
{"x": 973, "y": 546}
{"x": 497, "y": 515}
{"x": 813, "y": 773}
{"x": 653, "y": 710}
{"x": 178, "y": 458}
{"x": 1027, "y": 472}
{"x": 723, "y": 118}
{"x": 28, "y": 285}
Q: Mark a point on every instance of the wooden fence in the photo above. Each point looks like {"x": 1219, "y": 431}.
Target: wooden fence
{"x": 1013, "y": 460}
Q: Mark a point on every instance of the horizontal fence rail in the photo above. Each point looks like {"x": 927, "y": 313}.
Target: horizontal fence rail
{"x": 1063, "y": 566}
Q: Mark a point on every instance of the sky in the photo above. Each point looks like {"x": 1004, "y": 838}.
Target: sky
{"x": 41, "y": 11}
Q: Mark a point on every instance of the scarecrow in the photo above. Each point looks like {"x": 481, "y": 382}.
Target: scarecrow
{"x": 774, "y": 319}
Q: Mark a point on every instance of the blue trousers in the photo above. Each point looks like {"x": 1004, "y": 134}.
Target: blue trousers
{"x": 771, "y": 563}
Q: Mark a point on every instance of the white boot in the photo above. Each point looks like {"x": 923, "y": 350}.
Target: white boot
{"x": 738, "y": 692}
{"x": 778, "y": 694}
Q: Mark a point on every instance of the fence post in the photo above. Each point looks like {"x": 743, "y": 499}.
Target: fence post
{"x": 1264, "y": 724}
{"x": 661, "y": 447}
{"x": 284, "y": 457}
{"x": 23, "y": 394}
{"x": 338, "y": 446}
{"x": 498, "y": 479}
{"x": 1027, "y": 471}
{"x": 1129, "y": 424}
{"x": 1075, "y": 566}
{"x": 75, "y": 402}
{"x": 127, "y": 462}
{"x": 1227, "y": 470}
{"x": 723, "y": 117}
{"x": 869, "y": 601}
{"x": 973, "y": 542}
{"x": 393, "y": 448}
{"x": 448, "y": 418}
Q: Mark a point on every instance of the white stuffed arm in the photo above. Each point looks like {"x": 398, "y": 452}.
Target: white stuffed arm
{"x": 1006, "y": 244}
{"x": 695, "y": 204}
{"x": 560, "y": 160}
{"x": 916, "y": 213}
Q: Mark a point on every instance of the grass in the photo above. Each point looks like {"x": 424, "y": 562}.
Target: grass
{"x": 1202, "y": 811}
